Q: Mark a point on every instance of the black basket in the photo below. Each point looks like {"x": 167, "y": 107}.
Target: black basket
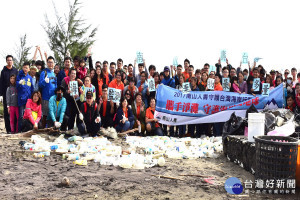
{"x": 275, "y": 160}
{"x": 238, "y": 150}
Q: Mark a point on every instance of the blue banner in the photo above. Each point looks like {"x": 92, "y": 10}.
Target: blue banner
{"x": 213, "y": 106}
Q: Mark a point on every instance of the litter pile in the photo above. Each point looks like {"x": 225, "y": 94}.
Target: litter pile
{"x": 178, "y": 148}
{"x": 152, "y": 150}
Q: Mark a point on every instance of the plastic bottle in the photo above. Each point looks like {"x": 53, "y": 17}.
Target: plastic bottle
{"x": 54, "y": 147}
{"x": 73, "y": 156}
{"x": 38, "y": 155}
{"x": 80, "y": 162}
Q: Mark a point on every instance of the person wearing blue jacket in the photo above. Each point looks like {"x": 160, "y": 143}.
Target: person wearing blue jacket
{"x": 142, "y": 87}
{"x": 171, "y": 83}
{"x": 57, "y": 108}
{"x": 124, "y": 118}
{"x": 167, "y": 79}
{"x": 25, "y": 89}
{"x": 47, "y": 83}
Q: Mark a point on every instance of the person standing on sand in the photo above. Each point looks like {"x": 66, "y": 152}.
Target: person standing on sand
{"x": 6, "y": 72}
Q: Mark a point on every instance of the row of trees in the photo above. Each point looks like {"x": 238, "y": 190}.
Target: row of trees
{"x": 69, "y": 34}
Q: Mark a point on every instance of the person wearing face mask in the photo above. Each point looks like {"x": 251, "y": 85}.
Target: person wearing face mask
{"x": 89, "y": 122}
{"x": 57, "y": 108}
{"x": 47, "y": 84}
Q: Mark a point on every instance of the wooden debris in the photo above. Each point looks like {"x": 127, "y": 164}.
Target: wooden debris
{"x": 126, "y": 132}
{"x": 27, "y": 134}
{"x": 168, "y": 177}
{"x": 198, "y": 175}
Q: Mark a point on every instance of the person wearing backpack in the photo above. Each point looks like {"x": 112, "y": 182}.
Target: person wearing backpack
{"x": 48, "y": 84}
{"x": 89, "y": 122}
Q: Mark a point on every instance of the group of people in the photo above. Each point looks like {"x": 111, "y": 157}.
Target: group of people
{"x": 43, "y": 95}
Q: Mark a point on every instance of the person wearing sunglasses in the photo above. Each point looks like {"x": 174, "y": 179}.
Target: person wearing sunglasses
{"x": 131, "y": 88}
{"x": 89, "y": 122}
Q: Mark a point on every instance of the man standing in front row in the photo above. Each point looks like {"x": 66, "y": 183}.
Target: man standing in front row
{"x": 48, "y": 84}
{"x": 6, "y": 72}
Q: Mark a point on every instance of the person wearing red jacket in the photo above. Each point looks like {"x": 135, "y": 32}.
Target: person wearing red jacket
{"x": 81, "y": 70}
{"x": 33, "y": 112}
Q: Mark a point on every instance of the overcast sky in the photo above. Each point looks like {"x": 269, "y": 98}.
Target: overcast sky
{"x": 162, "y": 29}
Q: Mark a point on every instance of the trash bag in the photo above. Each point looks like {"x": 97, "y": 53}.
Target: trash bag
{"x": 297, "y": 115}
{"x": 251, "y": 109}
{"x": 234, "y": 126}
{"x": 270, "y": 122}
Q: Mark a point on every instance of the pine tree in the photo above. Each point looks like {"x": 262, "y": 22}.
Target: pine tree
{"x": 70, "y": 33}
{"x": 21, "y": 53}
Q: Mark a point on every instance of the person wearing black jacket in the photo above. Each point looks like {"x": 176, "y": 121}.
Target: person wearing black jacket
{"x": 89, "y": 122}
{"x": 106, "y": 109}
{"x": 6, "y": 72}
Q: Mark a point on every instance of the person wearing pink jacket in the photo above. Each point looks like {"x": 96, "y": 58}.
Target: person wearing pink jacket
{"x": 33, "y": 112}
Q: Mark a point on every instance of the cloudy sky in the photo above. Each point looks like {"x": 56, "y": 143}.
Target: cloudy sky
{"x": 192, "y": 29}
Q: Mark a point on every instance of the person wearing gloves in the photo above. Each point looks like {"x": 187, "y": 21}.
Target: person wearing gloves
{"x": 25, "y": 89}
{"x": 47, "y": 84}
{"x": 124, "y": 118}
{"x": 72, "y": 97}
{"x": 33, "y": 112}
{"x": 89, "y": 122}
{"x": 57, "y": 108}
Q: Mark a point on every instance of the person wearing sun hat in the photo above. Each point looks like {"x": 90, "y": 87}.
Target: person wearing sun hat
{"x": 35, "y": 81}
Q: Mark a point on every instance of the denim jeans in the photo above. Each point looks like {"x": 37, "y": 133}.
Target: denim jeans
{"x": 218, "y": 129}
{"x": 181, "y": 130}
{"x": 21, "y": 114}
{"x": 124, "y": 127}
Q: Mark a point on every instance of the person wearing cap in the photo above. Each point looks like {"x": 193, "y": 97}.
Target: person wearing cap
{"x": 89, "y": 122}
{"x": 57, "y": 108}
{"x": 167, "y": 79}
{"x": 35, "y": 81}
